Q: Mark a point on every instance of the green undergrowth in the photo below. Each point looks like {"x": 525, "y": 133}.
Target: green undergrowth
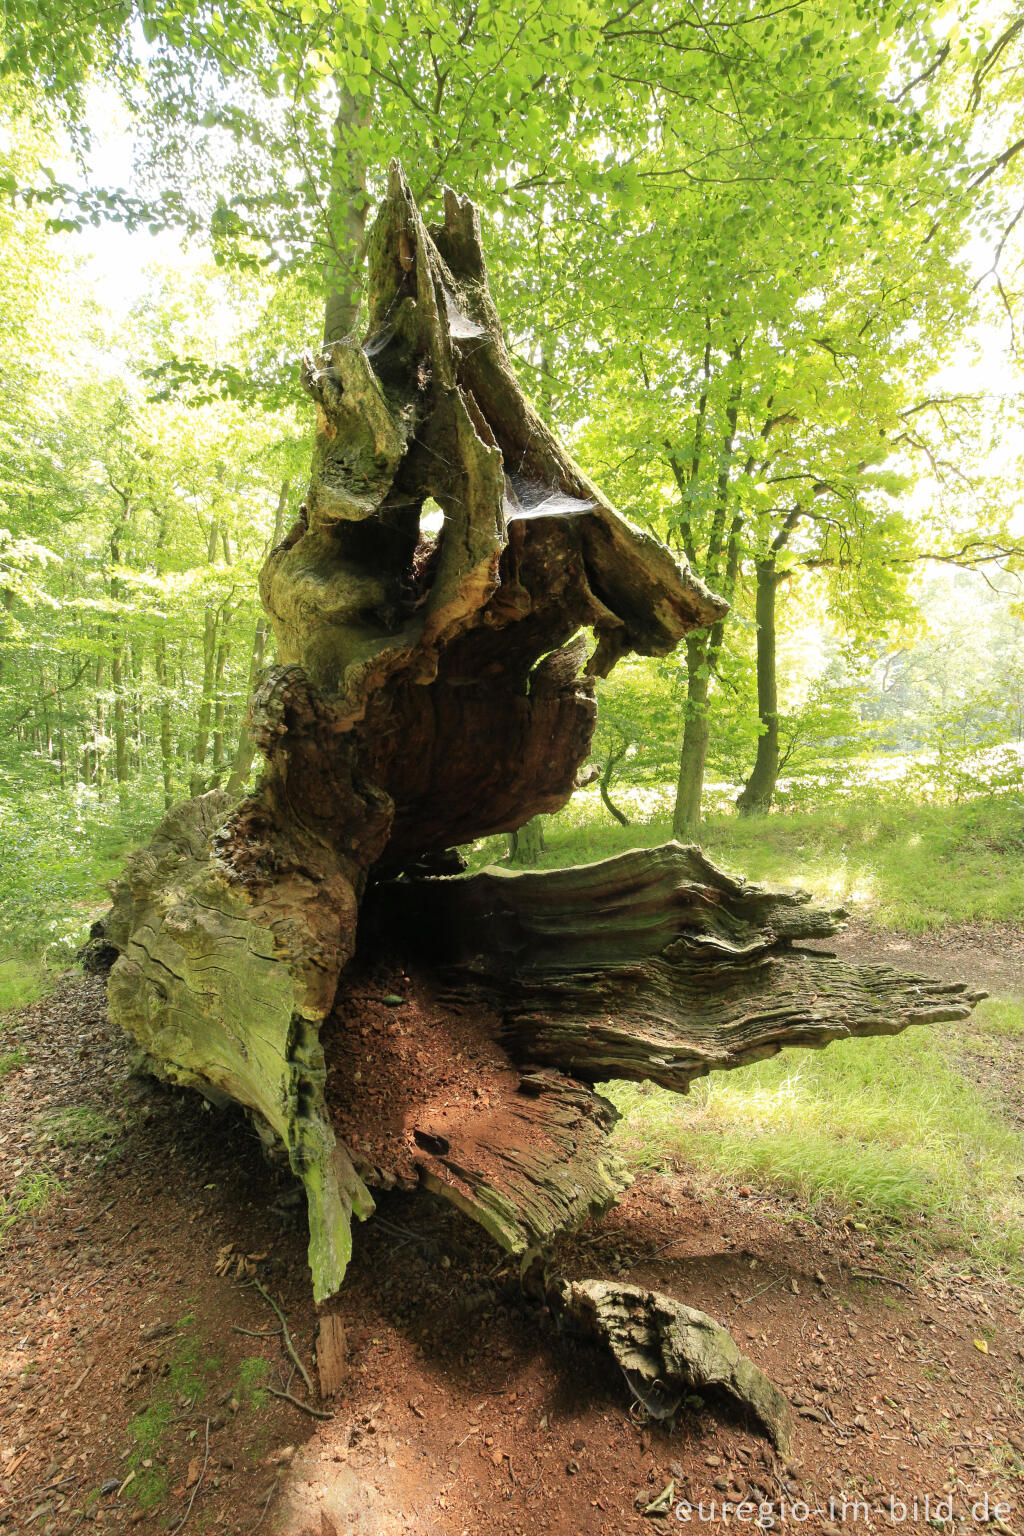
{"x": 30, "y": 1196}
{"x": 80, "y": 1127}
{"x": 60, "y": 853}
{"x": 21, "y": 982}
{"x": 887, "y": 1129}
{"x": 896, "y": 863}
{"x": 11, "y": 1060}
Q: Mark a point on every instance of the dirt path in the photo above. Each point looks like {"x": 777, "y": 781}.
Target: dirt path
{"x": 130, "y": 1396}
{"x": 986, "y": 955}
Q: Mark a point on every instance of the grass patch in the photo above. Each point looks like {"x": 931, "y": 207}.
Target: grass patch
{"x": 999, "y": 1017}
{"x": 188, "y": 1376}
{"x": 10, "y": 1061}
{"x": 78, "y": 1126}
{"x": 21, "y": 982}
{"x": 898, "y": 864}
{"x": 29, "y": 1197}
{"x": 886, "y": 1128}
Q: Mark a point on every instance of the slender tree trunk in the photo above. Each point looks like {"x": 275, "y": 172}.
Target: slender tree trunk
{"x": 202, "y": 736}
{"x": 166, "y": 737}
{"x": 721, "y": 570}
{"x": 62, "y": 751}
{"x": 7, "y": 603}
{"x": 759, "y": 790}
{"x": 245, "y": 751}
{"x": 120, "y": 734}
{"x": 603, "y": 784}
{"x": 696, "y": 734}
{"x": 217, "y": 758}
{"x": 347, "y": 205}
{"x": 210, "y": 626}
{"x": 526, "y": 845}
{"x": 99, "y": 728}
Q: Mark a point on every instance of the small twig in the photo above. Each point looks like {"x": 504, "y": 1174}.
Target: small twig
{"x": 287, "y": 1338}
{"x": 659, "y": 1251}
{"x": 252, "y": 1333}
{"x": 770, "y": 1286}
{"x": 877, "y": 1274}
{"x": 199, "y": 1483}
{"x": 35, "y": 1493}
{"x": 316, "y": 1413}
{"x": 266, "y": 1506}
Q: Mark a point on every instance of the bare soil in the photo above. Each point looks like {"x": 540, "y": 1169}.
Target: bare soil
{"x": 139, "y": 1364}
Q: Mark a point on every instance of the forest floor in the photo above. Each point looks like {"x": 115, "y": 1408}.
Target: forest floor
{"x": 140, "y": 1367}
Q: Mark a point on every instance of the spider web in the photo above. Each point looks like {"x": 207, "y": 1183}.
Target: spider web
{"x": 525, "y": 498}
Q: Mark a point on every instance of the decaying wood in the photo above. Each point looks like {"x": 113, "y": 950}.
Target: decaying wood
{"x": 331, "y": 1353}
{"x": 427, "y": 691}
{"x": 656, "y": 964}
{"x": 430, "y": 690}
{"x": 652, "y": 965}
{"x": 667, "y": 1351}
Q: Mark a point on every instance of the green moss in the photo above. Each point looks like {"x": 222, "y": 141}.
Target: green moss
{"x": 252, "y": 1376}
{"x": 190, "y": 1370}
{"x": 151, "y": 1425}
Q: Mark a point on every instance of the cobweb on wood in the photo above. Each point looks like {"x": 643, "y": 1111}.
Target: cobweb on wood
{"x": 531, "y": 498}
{"x": 460, "y": 325}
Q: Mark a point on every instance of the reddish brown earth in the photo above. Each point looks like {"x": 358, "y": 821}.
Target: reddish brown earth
{"x": 463, "y": 1410}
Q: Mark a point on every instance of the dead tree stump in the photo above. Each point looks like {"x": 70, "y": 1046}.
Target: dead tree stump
{"x": 430, "y": 690}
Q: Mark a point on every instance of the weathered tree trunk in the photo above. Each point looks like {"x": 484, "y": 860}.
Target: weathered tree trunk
{"x": 759, "y": 791}
{"x": 431, "y": 691}
{"x": 526, "y": 845}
